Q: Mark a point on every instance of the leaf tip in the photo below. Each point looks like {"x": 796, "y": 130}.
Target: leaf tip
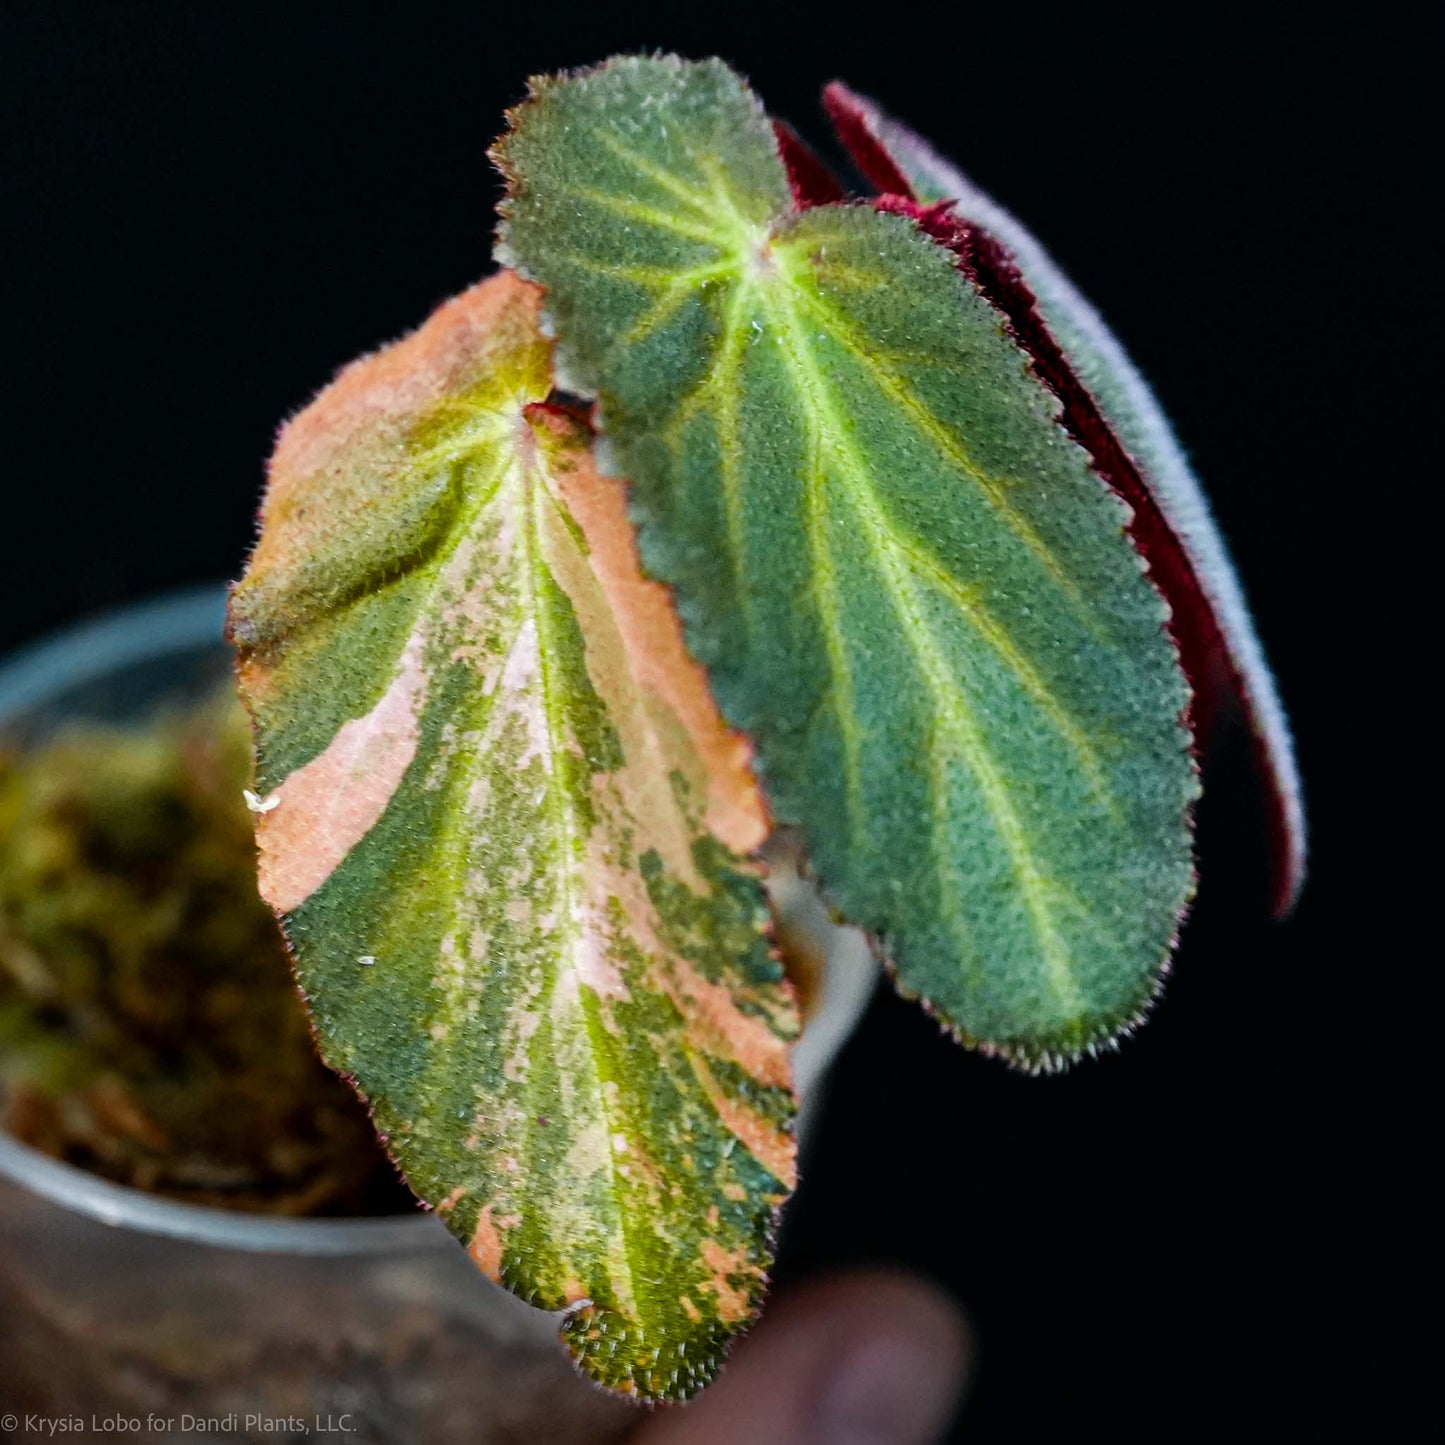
{"x": 854, "y": 122}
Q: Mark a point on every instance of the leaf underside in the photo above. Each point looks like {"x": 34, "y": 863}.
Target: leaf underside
{"x": 504, "y": 827}
{"x": 1173, "y": 525}
{"x": 905, "y": 581}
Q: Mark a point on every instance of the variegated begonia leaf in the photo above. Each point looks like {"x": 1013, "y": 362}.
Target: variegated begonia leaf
{"x": 906, "y": 582}
{"x": 1110, "y": 410}
{"x": 503, "y": 824}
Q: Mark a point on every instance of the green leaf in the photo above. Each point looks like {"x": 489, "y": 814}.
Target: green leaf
{"x": 503, "y": 824}
{"x": 1211, "y": 617}
{"x": 904, "y": 579}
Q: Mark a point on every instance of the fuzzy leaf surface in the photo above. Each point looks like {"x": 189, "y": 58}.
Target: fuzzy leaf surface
{"x": 1173, "y": 523}
{"x": 904, "y": 579}
{"x": 503, "y": 825}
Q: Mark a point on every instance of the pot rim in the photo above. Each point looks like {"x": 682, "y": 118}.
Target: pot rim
{"x": 187, "y": 620}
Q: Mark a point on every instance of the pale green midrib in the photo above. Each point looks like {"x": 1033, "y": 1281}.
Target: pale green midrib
{"x": 830, "y": 614}
{"x": 973, "y": 608}
{"x": 950, "y": 705}
{"x": 715, "y": 385}
{"x": 981, "y": 763}
{"x": 993, "y": 489}
{"x": 531, "y": 564}
{"x": 728, "y": 443}
{"x": 995, "y": 636}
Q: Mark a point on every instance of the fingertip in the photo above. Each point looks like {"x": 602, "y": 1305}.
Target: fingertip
{"x": 870, "y": 1355}
{"x": 900, "y": 1361}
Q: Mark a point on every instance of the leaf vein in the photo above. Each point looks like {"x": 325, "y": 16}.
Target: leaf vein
{"x": 951, "y": 704}
{"x": 646, "y": 215}
{"x": 895, "y": 390}
{"x": 663, "y": 179}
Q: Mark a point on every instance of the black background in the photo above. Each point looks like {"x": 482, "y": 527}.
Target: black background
{"x": 208, "y": 210}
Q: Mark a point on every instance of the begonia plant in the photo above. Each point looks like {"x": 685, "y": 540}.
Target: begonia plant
{"x": 731, "y": 505}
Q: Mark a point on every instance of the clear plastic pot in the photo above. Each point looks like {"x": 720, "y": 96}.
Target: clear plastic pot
{"x": 128, "y": 1316}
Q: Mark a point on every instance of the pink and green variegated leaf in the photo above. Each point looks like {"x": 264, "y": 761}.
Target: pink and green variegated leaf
{"x": 504, "y": 826}
{"x": 908, "y": 585}
{"x": 1110, "y": 410}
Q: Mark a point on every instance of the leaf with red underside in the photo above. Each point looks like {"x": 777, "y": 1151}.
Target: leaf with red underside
{"x": 1110, "y": 411}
